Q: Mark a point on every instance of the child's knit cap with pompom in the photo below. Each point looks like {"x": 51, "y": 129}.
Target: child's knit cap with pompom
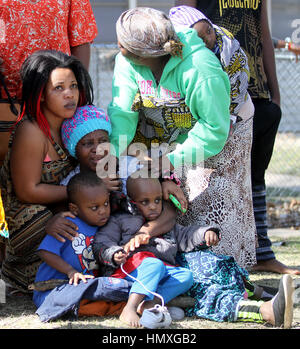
{"x": 86, "y": 119}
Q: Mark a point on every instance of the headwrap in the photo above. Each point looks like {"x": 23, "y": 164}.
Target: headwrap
{"x": 86, "y": 119}
{"x": 147, "y": 32}
{"x": 186, "y": 16}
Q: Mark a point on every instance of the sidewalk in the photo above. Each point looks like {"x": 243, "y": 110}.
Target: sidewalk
{"x": 283, "y": 233}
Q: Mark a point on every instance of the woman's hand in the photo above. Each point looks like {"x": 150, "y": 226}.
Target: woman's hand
{"x": 169, "y": 187}
{"x": 107, "y": 170}
{"x": 60, "y": 227}
{"x": 157, "y": 166}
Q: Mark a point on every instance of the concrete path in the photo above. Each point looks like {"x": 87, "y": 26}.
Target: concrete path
{"x": 283, "y": 232}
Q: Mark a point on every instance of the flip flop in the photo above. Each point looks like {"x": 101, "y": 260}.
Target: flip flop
{"x": 156, "y": 317}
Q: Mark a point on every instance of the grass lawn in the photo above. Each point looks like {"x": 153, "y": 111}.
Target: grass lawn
{"x": 18, "y": 312}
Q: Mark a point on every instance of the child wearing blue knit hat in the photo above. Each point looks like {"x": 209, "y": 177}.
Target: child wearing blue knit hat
{"x": 88, "y": 128}
{"x": 86, "y": 119}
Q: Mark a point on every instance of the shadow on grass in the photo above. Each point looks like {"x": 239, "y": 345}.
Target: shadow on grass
{"x": 16, "y": 306}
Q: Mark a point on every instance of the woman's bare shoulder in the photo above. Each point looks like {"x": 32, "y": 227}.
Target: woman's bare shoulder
{"x": 30, "y": 131}
{"x": 29, "y": 139}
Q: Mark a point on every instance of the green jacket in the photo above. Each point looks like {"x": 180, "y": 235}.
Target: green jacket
{"x": 198, "y": 78}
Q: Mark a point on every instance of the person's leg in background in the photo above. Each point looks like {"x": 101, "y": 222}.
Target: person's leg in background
{"x": 265, "y": 125}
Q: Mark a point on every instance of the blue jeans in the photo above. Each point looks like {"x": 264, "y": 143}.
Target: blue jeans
{"x": 66, "y": 298}
{"x": 168, "y": 281}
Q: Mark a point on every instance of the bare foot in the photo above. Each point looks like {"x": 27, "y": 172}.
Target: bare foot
{"x": 274, "y": 266}
{"x": 146, "y": 305}
{"x": 130, "y": 316}
{"x": 267, "y": 312}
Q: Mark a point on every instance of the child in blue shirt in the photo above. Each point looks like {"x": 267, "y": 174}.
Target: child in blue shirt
{"x": 73, "y": 261}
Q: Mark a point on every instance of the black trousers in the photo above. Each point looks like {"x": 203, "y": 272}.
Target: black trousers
{"x": 265, "y": 126}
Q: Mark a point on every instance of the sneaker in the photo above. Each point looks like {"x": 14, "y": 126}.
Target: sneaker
{"x": 283, "y": 302}
{"x": 156, "y": 317}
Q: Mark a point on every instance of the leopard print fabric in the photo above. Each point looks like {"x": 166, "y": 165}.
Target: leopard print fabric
{"x": 219, "y": 194}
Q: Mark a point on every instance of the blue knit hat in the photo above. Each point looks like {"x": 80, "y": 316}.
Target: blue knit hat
{"x": 86, "y": 119}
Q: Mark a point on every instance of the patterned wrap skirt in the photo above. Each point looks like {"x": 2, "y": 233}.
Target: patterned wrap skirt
{"x": 219, "y": 193}
{"x": 218, "y": 285}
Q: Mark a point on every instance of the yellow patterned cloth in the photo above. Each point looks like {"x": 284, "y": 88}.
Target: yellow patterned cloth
{"x": 3, "y": 224}
{"x": 162, "y": 121}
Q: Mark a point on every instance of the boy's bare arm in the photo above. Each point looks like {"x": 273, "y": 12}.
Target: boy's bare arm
{"x": 56, "y": 262}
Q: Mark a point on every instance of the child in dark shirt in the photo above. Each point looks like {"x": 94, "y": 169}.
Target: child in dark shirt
{"x": 221, "y": 299}
{"x": 153, "y": 263}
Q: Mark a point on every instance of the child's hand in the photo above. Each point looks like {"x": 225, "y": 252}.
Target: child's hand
{"x": 136, "y": 241}
{"x": 112, "y": 184}
{"x": 106, "y": 168}
{"x": 169, "y": 187}
{"x": 211, "y": 238}
{"x": 120, "y": 257}
{"x": 75, "y": 277}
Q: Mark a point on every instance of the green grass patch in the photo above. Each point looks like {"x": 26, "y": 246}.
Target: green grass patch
{"x": 18, "y": 312}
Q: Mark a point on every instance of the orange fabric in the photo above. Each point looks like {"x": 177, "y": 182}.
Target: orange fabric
{"x": 42, "y": 24}
{"x": 100, "y": 308}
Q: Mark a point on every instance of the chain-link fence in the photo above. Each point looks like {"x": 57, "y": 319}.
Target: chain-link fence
{"x": 283, "y": 174}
